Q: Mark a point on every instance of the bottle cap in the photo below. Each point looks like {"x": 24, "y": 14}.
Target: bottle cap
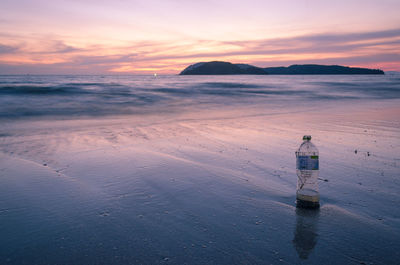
{"x": 306, "y": 137}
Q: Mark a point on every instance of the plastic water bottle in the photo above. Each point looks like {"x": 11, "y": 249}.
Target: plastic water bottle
{"x": 307, "y": 169}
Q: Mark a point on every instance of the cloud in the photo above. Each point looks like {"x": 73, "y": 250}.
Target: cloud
{"x": 370, "y": 60}
{"x": 343, "y": 42}
{"x": 48, "y": 46}
{"x": 105, "y": 59}
{"x": 6, "y": 49}
{"x": 53, "y": 68}
{"x": 375, "y": 48}
{"x": 58, "y": 46}
{"x": 348, "y": 37}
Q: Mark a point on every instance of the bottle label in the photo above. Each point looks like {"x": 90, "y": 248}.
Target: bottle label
{"x": 307, "y": 163}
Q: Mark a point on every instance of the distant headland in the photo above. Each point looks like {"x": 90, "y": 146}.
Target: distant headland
{"x": 227, "y": 68}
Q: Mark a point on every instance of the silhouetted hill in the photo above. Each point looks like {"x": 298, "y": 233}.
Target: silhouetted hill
{"x": 222, "y": 68}
{"x": 226, "y": 68}
{"x": 316, "y": 69}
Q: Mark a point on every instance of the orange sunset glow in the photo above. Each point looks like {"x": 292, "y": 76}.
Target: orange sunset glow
{"x": 143, "y": 37}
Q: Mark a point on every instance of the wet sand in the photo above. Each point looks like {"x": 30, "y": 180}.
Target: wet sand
{"x": 203, "y": 186}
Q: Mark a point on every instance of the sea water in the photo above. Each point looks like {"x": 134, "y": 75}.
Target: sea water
{"x": 72, "y": 96}
{"x": 197, "y": 169}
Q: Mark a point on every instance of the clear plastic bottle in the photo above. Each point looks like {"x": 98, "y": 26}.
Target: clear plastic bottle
{"x": 307, "y": 169}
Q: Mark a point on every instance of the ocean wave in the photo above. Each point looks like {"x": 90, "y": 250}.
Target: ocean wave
{"x": 230, "y": 85}
{"x": 39, "y": 90}
{"x": 382, "y": 90}
{"x": 22, "y": 96}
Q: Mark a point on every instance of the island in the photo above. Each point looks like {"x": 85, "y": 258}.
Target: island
{"x": 227, "y": 68}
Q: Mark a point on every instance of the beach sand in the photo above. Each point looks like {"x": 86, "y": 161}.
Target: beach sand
{"x": 212, "y": 186}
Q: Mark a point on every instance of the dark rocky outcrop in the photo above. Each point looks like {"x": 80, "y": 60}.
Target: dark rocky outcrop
{"x": 226, "y": 68}
{"x": 316, "y": 69}
{"x": 222, "y": 68}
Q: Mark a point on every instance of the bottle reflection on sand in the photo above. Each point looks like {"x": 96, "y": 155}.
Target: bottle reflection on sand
{"x": 306, "y": 233}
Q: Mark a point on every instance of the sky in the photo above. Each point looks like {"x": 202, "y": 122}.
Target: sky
{"x": 163, "y": 37}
